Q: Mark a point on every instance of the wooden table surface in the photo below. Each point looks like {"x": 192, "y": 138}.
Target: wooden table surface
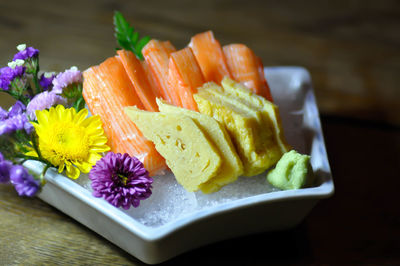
{"x": 351, "y": 48}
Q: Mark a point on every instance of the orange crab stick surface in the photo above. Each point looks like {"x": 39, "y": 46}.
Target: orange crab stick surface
{"x": 139, "y": 80}
{"x": 209, "y": 55}
{"x": 152, "y": 80}
{"x": 185, "y": 77}
{"x": 168, "y": 46}
{"x": 156, "y": 55}
{"x": 246, "y": 68}
{"x": 107, "y": 89}
{"x": 265, "y": 90}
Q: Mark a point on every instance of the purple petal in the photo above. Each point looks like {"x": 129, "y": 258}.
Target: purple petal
{"x": 23, "y": 182}
{"x": 42, "y": 101}
{"x": 8, "y": 74}
{"x": 66, "y": 78}
{"x": 17, "y": 109}
{"x": 5, "y": 167}
{"x": 106, "y": 182}
{"x": 28, "y": 53}
{"x": 46, "y": 83}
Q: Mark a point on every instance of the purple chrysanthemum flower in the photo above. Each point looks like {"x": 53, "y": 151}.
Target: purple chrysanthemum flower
{"x": 23, "y": 182}
{"x": 8, "y": 74}
{"x": 5, "y": 167}
{"x": 46, "y": 81}
{"x": 42, "y": 101}
{"x": 27, "y": 53}
{"x": 15, "y": 119}
{"x": 120, "y": 179}
{"x": 64, "y": 79}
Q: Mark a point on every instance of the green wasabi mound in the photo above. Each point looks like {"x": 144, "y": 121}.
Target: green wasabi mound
{"x": 292, "y": 171}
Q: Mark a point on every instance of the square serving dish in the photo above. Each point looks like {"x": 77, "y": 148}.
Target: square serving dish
{"x": 194, "y": 220}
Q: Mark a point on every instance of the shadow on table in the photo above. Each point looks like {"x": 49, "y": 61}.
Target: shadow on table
{"x": 289, "y": 246}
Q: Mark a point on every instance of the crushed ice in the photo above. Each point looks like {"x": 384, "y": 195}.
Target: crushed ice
{"x": 170, "y": 201}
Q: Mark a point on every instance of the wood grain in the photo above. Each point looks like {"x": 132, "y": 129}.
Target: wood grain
{"x": 351, "y": 49}
{"x": 33, "y": 233}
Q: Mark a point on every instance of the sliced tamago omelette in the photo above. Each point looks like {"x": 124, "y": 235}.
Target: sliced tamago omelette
{"x": 231, "y": 166}
{"x": 244, "y": 128}
{"x": 269, "y": 110}
{"x": 189, "y": 154}
{"x": 267, "y": 144}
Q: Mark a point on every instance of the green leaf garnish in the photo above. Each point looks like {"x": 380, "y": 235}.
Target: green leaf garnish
{"x": 127, "y": 37}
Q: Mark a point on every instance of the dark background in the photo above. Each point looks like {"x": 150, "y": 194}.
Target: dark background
{"x": 352, "y": 50}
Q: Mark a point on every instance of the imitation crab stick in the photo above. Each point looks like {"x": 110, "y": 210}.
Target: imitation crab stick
{"x": 118, "y": 94}
{"x": 152, "y": 80}
{"x": 266, "y": 91}
{"x": 246, "y": 68}
{"x": 185, "y": 77}
{"x": 209, "y": 55}
{"x": 92, "y": 100}
{"x": 107, "y": 89}
{"x": 156, "y": 55}
{"x": 139, "y": 79}
{"x": 169, "y": 47}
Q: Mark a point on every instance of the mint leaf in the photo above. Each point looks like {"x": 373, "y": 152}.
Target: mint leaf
{"x": 127, "y": 37}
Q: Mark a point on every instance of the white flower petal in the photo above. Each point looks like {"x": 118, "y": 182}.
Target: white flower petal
{"x": 21, "y": 47}
{"x": 12, "y": 64}
{"x": 19, "y": 62}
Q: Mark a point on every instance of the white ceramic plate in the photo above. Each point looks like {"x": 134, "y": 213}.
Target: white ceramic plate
{"x": 154, "y": 242}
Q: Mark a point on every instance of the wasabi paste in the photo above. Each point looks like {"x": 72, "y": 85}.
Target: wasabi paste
{"x": 292, "y": 171}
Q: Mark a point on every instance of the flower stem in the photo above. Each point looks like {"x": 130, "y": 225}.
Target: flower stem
{"x": 35, "y": 145}
{"x": 42, "y": 175}
{"x": 27, "y": 157}
{"x": 36, "y": 81}
{"x": 30, "y": 91}
{"x": 24, "y": 100}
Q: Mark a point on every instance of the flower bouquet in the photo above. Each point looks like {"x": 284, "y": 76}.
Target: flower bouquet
{"x": 50, "y": 124}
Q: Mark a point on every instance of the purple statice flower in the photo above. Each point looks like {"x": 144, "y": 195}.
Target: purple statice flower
{"x": 14, "y": 120}
{"x": 29, "y": 56}
{"x": 42, "y": 101}
{"x": 24, "y": 183}
{"x": 65, "y": 79}
{"x": 3, "y": 114}
{"x": 16, "y": 109}
{"x": 5, "y": 167}
{"x": 120, "y": 179}
{"x": 8, "y": 75}
{"x": 46, "y": 81}
{"x": 26, "y": 53}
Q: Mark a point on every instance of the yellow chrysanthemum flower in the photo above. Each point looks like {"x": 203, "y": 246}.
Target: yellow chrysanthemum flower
{"x": 69, "y": 140}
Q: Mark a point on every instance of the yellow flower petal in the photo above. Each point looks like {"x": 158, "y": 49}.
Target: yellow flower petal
{"x": 100, "y": 148}
{"x": 91, "y": 120}
{"x": 85, "y": 167}
{"x": 93, "y": 158}
{"x": 42, "y": 117}
{"x": 67, "y": 115}
{"x": 80, "y": 117}
{"x": 95, "y": 131}
{"x": 99, "y": 141}
{"x": 61, "y": 167}
{"x": 31, "y": 153}
{"x": 60, "y": 109}
{"x": 53, "y": 115}
{"x": 72, "y": 172}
